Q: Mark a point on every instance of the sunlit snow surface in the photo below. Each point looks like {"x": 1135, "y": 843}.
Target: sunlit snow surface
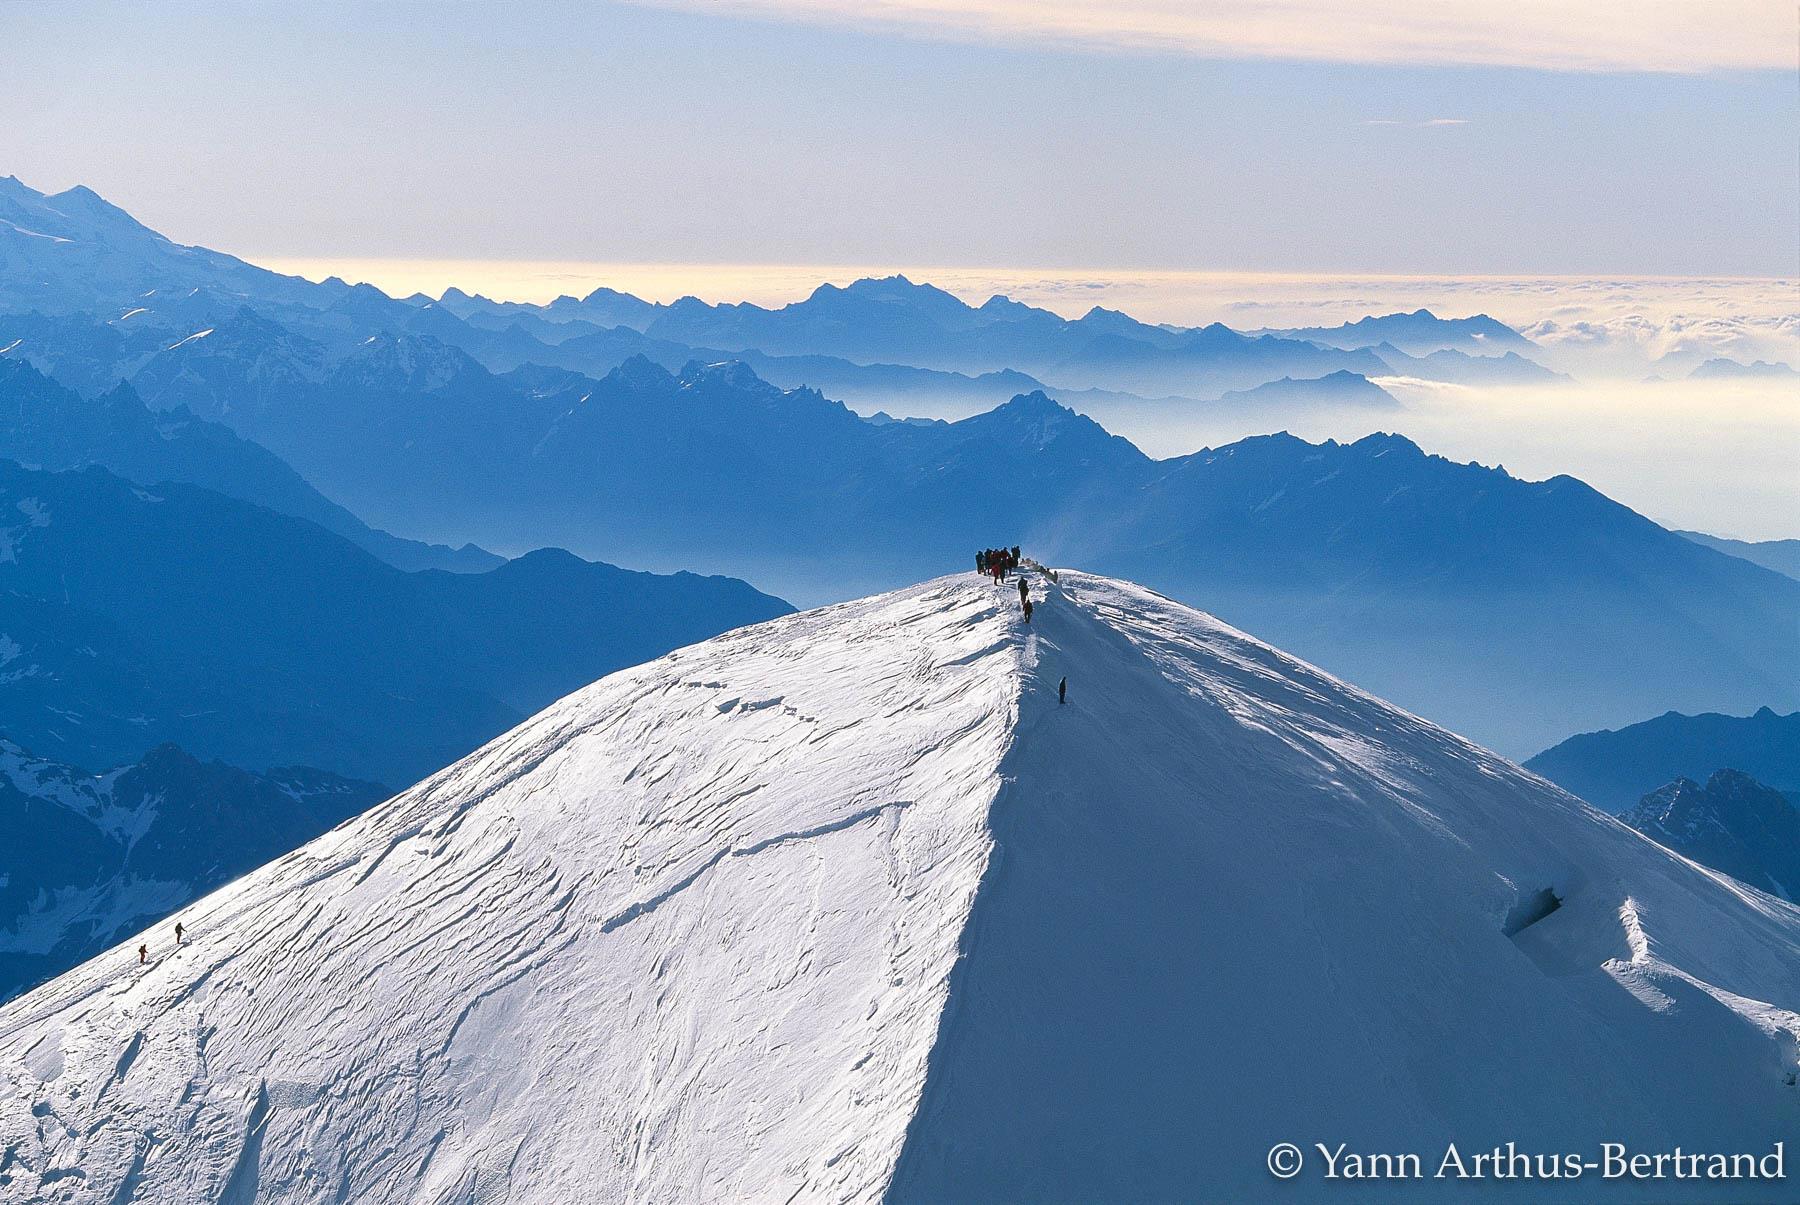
{"x": 694, "y": 932}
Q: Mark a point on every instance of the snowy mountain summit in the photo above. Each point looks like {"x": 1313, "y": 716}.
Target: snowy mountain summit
{"x": 846, "y": 905}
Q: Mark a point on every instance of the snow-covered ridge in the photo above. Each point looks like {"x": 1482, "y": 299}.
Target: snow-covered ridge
{"x": 718, "y": 895}
{"x": 847, "y": 905}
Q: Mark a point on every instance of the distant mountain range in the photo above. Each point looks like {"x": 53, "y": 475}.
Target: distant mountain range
{"x": 44, "y": 426}
{"x": 75, "y": 253}
{"x": 1339, "y": 389}
{"x": 1517, "y": 611}
{"x": 1614, "y": 770}
{"x": 1723, "y": 369}
{"x": 1451, "y": 587}
{"x": 91, "y": 858}
{"x": 1417, "y": 334}
{"x": 895, "y": 321}
{"x": 1783, "y": 556}
{"x": 132, "y": 615}
{"x": 1460, "y": 368}
{"x": 1732, "y": 824}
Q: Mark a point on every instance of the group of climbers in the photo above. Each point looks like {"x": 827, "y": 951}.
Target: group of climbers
{"x": 997, "y": 562}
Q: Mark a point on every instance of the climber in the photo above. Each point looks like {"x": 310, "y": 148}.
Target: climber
{"x": 981, "y": 560}
{"x": 143, "y": 954}
{"x": 1024, "y": 591}
{"x": 1028, "y": 610}
{"x": 178, "y": 932}
{"x": 1062, "y": 692}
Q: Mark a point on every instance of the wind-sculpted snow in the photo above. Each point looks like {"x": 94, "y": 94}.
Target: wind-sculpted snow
{"x": 847, "y": 906}
{"x": 684, "y": 934}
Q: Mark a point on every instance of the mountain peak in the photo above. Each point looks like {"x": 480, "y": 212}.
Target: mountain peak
{"x": 84, "y": 203}
{"x": 14, "y": 189}
{"x": 1380, "y": 443}
{"x": 860, "y": 875}
{"x": 640, "y": 372}
{"x": 1035, "y": 421}
{"x": 729, "y": 374}
{"x": 1734, "y": 823}
{"x": 1035, "y": 402}
{"x": 999, "y": 303}
{"x": 884, "y": 285}
{"x": 410, "y": 361}
{"x": 892, "y": 290}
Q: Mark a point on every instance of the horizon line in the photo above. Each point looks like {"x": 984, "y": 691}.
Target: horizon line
{"x": 532, "y": 280}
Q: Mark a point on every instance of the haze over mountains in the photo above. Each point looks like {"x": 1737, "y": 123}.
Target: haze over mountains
{"x": 46, "y": 426}
{"x": 1783, "y": 556}
{"x": 1514, "y": 610}
{"x": 1615, "y": 769}
{"x": 1721, "y": 789}
{"x": 135, "y": 615}
{"x": 73, "y": 253}
{"x": 1441, "y": 585}
{"x": 1419, "y": 333}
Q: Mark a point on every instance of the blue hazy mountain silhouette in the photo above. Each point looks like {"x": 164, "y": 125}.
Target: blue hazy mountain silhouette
{"x": 1783, "y": 556}
{"x": 1723, "y": 368}
{"x": 1734, "y": 824}
{"x": 888, "y": 344}
{"x": 139, "y": 614}
{"x": 1338, "y": 389}
{"x": 49, "y": 427}
{"x": 92, "y": 858}
{"x": 1456, "y": 589}
{"x": 1614, "y": 769}
{"x": 1517, "y": 611}
{"x": 1458, "y": 367}
{"x": 74, "y": 252}
{"x": 892, "y": 324}
{"x": 601, "y": 308}
{"x": 1418, "y": 333}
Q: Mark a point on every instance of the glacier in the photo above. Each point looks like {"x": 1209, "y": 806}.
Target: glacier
{"x": 846, "y": 906}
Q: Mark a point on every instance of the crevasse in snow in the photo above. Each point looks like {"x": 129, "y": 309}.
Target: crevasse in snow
{"x": 846, "y": 906}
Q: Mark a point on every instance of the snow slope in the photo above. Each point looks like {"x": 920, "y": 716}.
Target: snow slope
{"x": 845, "y": 905}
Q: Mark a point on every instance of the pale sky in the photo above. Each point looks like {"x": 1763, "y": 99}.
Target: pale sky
{"x": 1649, "y": 138}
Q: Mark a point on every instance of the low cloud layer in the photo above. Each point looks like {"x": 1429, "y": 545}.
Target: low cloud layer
{"x": 1605, "y": 35}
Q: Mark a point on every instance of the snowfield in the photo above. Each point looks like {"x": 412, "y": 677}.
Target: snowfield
{"x": 846, "y": 906}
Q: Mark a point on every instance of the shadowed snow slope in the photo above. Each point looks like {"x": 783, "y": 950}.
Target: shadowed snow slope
{"x": 845, "y": 905}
